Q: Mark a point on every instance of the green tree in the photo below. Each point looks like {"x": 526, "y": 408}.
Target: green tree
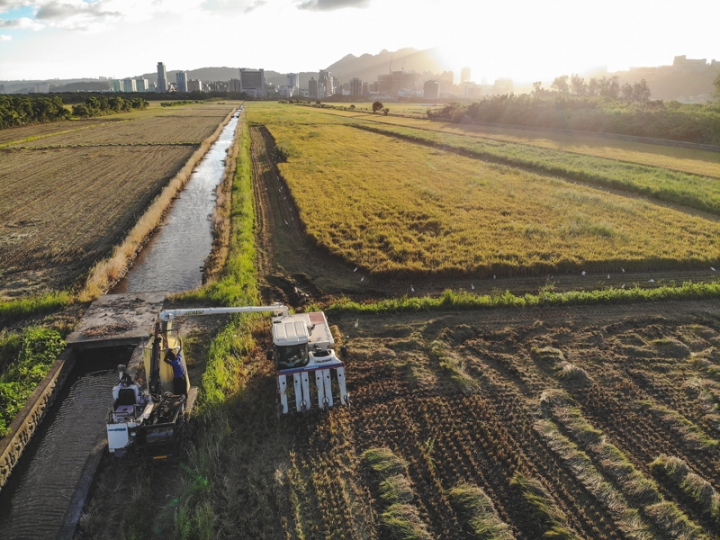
{"x": 560, "y": 84}
{"x": 577, "y": 85}
{"x": 627, "y": 92}
{"x": 641, "y": 91}
{"x": 377, "y": 106}
{"x": 717, "y": 87}
{"x": 386, "y": 111}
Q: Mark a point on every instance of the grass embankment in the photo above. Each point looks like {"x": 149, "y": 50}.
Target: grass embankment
{"x": 22, "y": 308}
{"x": 237, "y": 286}
{"x": 453, "y": 300}
{"x": 25, "y": 359}
{"x": 675, "y": 187}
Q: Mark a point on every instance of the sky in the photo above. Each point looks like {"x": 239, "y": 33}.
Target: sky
{"x": 525, "y": 40}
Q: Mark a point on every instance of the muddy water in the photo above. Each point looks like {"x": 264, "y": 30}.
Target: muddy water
{"x": 173, "y": 259}
{"x": 34, "y": 501}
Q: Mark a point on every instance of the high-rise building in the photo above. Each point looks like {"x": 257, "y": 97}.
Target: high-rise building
{"x": 181, "y": 78}
{"x": 142, "y": 85}
{"x": 356, "y": 87}
{"x": 252, "y": 81}
{"x": 162, "y": 84}
{"x": 194, "y": 85}
{"x": 129, "y": 85}
{"x": 325, "y": 79}
{"x": 397, "y": 83}
{"x": 431, "y": 90}
{"x": 313, "y": 88}
{"x": 366, "y": 89}
{"x": 465, "y": 75}
{"x": 293, "y": 84}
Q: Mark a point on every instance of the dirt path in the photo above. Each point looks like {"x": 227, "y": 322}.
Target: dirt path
{"x": 292, "y": 266}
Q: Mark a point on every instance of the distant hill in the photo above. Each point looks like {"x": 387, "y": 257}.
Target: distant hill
{"x": 368, "y": 66}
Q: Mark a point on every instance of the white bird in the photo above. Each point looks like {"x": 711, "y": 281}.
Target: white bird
{"x": 356, "y": 323}
{"x": 651, "y": 281}
{"x": 623, "y": 270}
{"x": 713, "y": 269}
{"x": 356, "y": 269}
{"x": 583, "y": 272}
{"x": 494, "y": 276}
{"x": 286, "y": 223}
{"x": 608, "y": 276}
{"x": 623, "y": 286}
{"x": 412, "y": 289}
{"x": 362, "y": 278}
{"x": 472, "y": 286}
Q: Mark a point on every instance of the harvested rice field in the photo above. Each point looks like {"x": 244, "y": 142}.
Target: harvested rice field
{"x": 70, "y": 191}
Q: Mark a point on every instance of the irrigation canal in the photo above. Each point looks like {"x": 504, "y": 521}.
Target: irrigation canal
{"x": 34, "y": 502}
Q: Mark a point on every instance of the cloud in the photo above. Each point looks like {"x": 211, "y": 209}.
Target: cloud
{"x": 4, "y": 37}
{"x": 232, "y": 6}
{"x": 7, "y": 5}
{"x": 23, "y": 23}
{"x": 61, "y": 11}
{"x": 328, "y": 5}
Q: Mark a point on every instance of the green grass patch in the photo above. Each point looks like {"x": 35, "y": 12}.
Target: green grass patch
{"x": 459, "y": 300}
{"x": 12, "y": 310}
{"x": 36, "y": 349}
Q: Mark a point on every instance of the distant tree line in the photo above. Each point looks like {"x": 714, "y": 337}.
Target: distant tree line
{"x": 597, "y": 87}
{"x": 600, "y": 112}
{"x": 101, "y": 105}
{"x": 22, "y": 110}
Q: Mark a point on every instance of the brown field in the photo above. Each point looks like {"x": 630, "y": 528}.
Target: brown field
{"x": 15, "y": 134}
{"x": 63, "y": 208}
{"x": 183, "y": 129}
{"x": 569, "y": 401}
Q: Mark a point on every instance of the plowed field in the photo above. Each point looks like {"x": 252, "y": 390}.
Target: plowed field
{"x": 70, "y": 194}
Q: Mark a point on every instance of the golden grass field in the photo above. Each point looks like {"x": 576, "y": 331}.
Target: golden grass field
{"x": 63, "y": 208}
{"x": 399, "y": 208}
{"x": 681, "y": 159}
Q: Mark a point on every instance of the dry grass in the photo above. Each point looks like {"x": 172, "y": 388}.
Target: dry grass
{"x": 680, "y": 159}
{"x": 396, "y": 208}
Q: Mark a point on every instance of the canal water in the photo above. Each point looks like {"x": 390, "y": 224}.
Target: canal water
{"x": 173, "y": 259}
{"x": 37, "y": 494}
{"x": 34, "y": 501}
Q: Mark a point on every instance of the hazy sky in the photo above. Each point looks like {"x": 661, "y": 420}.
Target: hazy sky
{"x": 522, "y": 39}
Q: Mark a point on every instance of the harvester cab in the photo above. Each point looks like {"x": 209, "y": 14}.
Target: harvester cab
{"x": 303, "y": 349}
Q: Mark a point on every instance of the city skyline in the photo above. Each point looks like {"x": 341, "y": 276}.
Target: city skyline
{"x": 523, "y": 40}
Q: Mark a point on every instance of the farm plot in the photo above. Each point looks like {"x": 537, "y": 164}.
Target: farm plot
{"x": 400, "y": 209}
{"x": 688, "y": 160}
{"x": 63, "y": 209}
{"x": 145, "y": 131}
{"x": 536, "y": 424}
{"x": 674, "y": 187}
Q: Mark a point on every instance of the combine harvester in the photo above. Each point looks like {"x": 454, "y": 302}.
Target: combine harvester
{"x": 152, "y": 422}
